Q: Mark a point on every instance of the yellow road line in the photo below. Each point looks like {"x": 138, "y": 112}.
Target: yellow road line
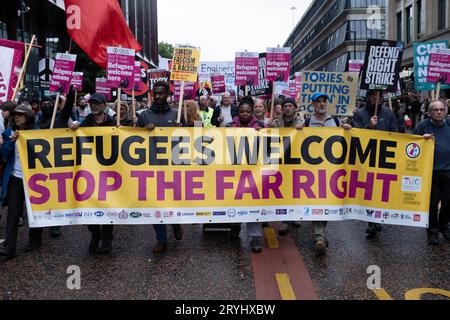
{"x": 382, "y": 294}
{"x": 416, "y": 294}
{"x": 284, "y": 285}
{"x": 272, "y": 241}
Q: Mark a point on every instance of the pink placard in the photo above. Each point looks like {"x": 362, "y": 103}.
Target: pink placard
{"x": 102, "y": 87}
{"x": 190, "y": 89}
{"x": 218, "y": 83}
{"x": 11, "y": 53}
{"x": 77, "y": 81}
{"x": 120, "y": 68}
{"x": 247, "y": 68}
{"x": 293, "y": 88}
{"x": 62, "y": 72}
{"x": 355, "y": 66}
{"x": 278, "y": 64}
{"x": 138, "y": 85}
{"x": 439, "y": 66}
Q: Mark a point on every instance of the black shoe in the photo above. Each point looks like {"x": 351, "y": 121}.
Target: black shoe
{"x": 372, "y": 230}
{"x": 446, "y": 233}
{"x": 177, "y": 232}
{"x": 320, "y": 245}
{"x": 265, "y": 224}
{"x": 433, "y": 237}
{"x": 21, "y": 222}
{"x": 106, "y": 247}
{"x": 55, "y": 232}
{"x": 33, "y": 246}
{"x": 284, "y": 229}
{"x": 6, "y": 253}
{"x": 93, "y": 245}
{"x": 255, "y": 243}
{"x": 235, "y": 231}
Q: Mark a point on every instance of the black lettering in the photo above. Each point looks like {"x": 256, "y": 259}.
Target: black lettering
{"x": 268, "y": 150}
{"x": 384, "y": 154}
{"x": 41, "y": 155}
{"x": 305, "y": 150}
{"x": 154, "y": 151}
{"x": 81, "y": 150}
{"x": 60, "y": 152}
{"x": 243, "y": 146}
{"x": 99, "y": 151}
{"x": 287, "y": 152}
{"x": 329, "y": 149}
{"x": 371, "y": 150}
{"x": 126, "y": 148}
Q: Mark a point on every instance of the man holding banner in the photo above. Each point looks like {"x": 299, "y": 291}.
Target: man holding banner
{"x": 438, "y": 127}
{"x": 375, "y": 116}
{"x": 160, "y": 115}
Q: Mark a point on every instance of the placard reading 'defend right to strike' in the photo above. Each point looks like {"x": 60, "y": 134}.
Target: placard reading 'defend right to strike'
{"x": 382, "y": 65}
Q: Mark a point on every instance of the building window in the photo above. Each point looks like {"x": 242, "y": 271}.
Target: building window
{"x": 419, "y": 18}
{"x": 399, "y": 26}
{"x": 442, "y": 9}
{"x": 409, "y": 21}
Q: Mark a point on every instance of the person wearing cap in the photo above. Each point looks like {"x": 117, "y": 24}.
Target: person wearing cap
{"x": 321, "y": 119}
{"x": 287, "y": 119}
{"x": 161, "y": 115}
{"x": 385, "y": 120}
{"x": 12, "y": 193}
{"x": 99, "y": 118}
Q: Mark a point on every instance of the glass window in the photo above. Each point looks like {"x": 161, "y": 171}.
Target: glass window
{"x": 399, "y": 26}
{"x": 442, "y": 9}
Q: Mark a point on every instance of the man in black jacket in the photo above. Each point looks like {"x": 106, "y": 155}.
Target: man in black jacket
{"x": 384, "y": 120}
{"x": 99, "y": 118}
{"x": 160, "y": 115}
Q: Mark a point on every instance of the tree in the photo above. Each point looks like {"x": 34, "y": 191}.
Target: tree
{"x": 165, "y": 50}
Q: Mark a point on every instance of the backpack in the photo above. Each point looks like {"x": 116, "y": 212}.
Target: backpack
{"x": 336, "y": 120}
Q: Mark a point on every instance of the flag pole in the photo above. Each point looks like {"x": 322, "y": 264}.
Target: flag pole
{"x": 438, "y": 90}
{"x": 54, "y": 111}
{"x": 22, "y": 70}
{"x": 180, "y": 103}
{"x": 272, "y": 103}
{"x": 119, "y": 93}
{"x": 133, "y": 106}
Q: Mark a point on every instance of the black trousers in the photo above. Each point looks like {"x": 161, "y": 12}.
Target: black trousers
{"x": 440, "y": 191}
{"x": 16, "y": 201}
{"x": 104, "y": 232}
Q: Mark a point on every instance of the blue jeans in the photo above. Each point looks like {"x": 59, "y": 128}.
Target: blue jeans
{"x": 161, "y": 233}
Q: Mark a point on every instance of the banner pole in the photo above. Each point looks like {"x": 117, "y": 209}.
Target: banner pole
{"x": 272, "y": 106}
{"x": 180, "y": 103}
{"x": 376, "y": 104}
{"x": 148, "y": 99}
{"x": 119, "y": 93}
{"x": 52, "y": 124}
{"x": 390, "y": 101}
{"x": 433, "y": 97}
{"x": 246, "y": 90}
{"x": 438, "y": 91}
{"x": 22, "y": 70}
{"x": 133, "y": 107}
{"x": 185, "y": 111}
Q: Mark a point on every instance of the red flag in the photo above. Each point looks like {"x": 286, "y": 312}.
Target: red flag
{"x": 95, "y": 25}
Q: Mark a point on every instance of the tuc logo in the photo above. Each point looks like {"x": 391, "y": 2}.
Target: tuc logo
{"x": 413, "y": 150}
{"x": 412, "y": 184}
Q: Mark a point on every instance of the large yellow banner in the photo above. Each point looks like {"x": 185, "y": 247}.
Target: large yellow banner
{"x": 196, "y": 175}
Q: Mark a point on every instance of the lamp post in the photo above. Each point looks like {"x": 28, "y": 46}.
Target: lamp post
{"x": 293, "y": 17}
{"x": 23, "y": 8}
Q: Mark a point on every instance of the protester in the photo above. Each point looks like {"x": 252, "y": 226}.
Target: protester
{"x": 260, "y": 112}
{"x": 193, "y": 114}
{"x": 160, "y": 115}
{"x": 384, "y": 120}
{"x": 437, "y": 126}
{"x": 225, "y": 113}
{"x": 246, "y": 119}
{"x": 212, "y": 102}
{"x": 288, "y": 119}
{"x": 400, "y": 116}
{"x": 35, "y": 103}
{"x": 125, "y": 120}
{"x": 278, "y": 108}
{"x": 206, "y": 112}
{"x": 414, "y": 110}
{"x": 81, "y": 111}
{"x": 321, "y": 119}
{"x": 12, "y": 193}
{"x": 6, "y": 120}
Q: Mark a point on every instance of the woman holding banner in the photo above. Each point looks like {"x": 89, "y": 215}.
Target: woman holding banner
{"x": 12, "y": 194}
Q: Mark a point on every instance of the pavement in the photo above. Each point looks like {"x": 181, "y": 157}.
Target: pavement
{"x": 211, "y": 266}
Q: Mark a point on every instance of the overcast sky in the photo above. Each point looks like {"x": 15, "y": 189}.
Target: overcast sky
{"x": 222, "y": 27}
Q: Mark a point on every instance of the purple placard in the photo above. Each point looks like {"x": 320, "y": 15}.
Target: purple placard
{"x": 218, "y": 83}
{"x": 138, "y": 85}
{"x": 102, "y": 87}
{"x": 120, "y": 69}
{"x": 247, "y": 68}
{"x": 62, "y": 73}
{"x": 190, "y": 89}
{"x": 77, "y": 81}
{"x": 439, "y": 66}
{"x": 278, "y": 64}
